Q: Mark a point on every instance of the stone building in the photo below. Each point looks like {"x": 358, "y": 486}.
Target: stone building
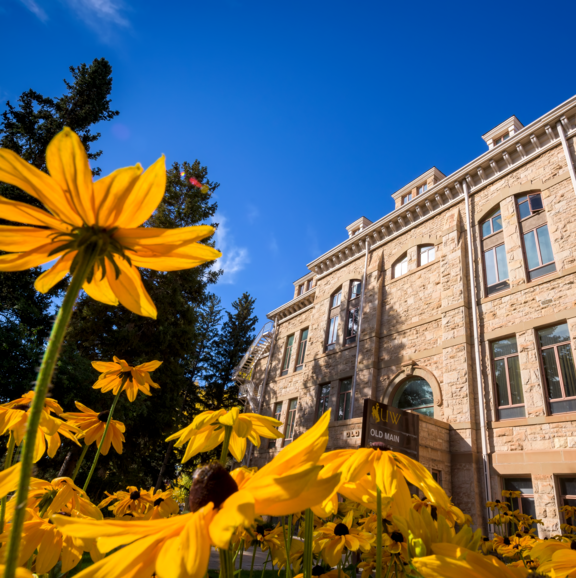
{"x": 459, "y": 305}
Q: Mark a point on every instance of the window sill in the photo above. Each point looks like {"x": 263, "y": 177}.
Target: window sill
{"x": 412, "y": 271}
{"x": 337, "y": 349}
{"x": 529, "y": 284}
{"x": 537, "y": 420}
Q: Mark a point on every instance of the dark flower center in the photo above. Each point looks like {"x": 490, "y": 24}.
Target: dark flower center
{"x": 434, "y": 513}
{"x": 61, "y": 513}
{"x": 135, "y": 495}
{"x": 22, "y": 406}
{"x": 341, "y": 530}
{"x": 318, "y": 570}
{"x": 497, "y": 502}
{"x": 380, "y": 446}
{"x": 158, "y": 501}
{"x": 260, "y": 529}
{"x": 484, "y": 539}
{"x": 213, "y": 484}
{"x": 506, "y": 541}
{"x": 516, "y": 546}
{"x": 518, "y": 535}
{"x": 397, "y": 537}
{"x": 103, "y": 416}
{"x": 573, "y": 545}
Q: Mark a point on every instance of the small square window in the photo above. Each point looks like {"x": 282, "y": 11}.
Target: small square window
{"x": 422, "y": 189}
{"x": 427, "y": 255}
{"x": 406, "y": 198}
{"x": 501, "y": 139}
{"x": 336, "y": 299}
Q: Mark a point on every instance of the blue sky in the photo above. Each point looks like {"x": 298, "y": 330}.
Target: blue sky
{"x": 309, "y": 114}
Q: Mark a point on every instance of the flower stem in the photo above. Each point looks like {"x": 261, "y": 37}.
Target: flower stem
{"x": 225, "y": 444}
{"x": 378, "y": 532}
{"x": 265, "y": 564}
{"x": 253, "y": 558}
{"x": 116, "y": 398}
{"x": 79, "y": 462}
{"x": 7, "y": 464}
{"x": 226, "y": 566}
{"x": 37, "y": 407}
{"x": 308, "y": 543}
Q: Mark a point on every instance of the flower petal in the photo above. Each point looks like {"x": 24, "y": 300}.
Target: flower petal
{"x": 109, "y": 191}
{"x": 21, "y": 239}
{"x": 155, "y": 238}
{"x": 29, "y": 259}
{"x": 149, "y": 366}
{"x": 186, "y": 258}
{"x": 129, "y": 289}
{"x": 16, "y": 171}
{"x": 9, "y": 479}
{"x": 99, "y": 289}
{"x": 55, "y": 274}
{"x": 144, "y": 197}
{"x": 67, "y": 164}
{"x": 237, "y": 510}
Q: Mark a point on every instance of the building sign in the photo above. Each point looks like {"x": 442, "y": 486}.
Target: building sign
{"x": 396, "y": 429}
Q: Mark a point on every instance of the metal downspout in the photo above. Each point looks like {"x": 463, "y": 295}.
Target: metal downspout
{"x": 263, "y": 386}
{"x": 359, "y": 329}
{"x": 483, "y": 433}
{"x": 567, "y": 154}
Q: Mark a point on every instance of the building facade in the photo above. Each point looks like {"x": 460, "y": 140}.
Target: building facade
{"x": 460, "y": 305}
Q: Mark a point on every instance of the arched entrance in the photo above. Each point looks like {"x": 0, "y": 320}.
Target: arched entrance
{"x": 416, "y": 394}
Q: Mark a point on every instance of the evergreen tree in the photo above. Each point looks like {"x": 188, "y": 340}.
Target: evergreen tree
{"x": 26, "y": 129}
{"x": 235, "y": 338}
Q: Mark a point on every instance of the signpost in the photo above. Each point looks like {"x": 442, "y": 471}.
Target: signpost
{"x": 391, "y": 428}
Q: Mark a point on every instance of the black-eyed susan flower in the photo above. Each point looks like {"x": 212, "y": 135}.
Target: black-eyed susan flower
{"x": 98, "y": 221}
{"x": 93, "y": 425}
{"x": 163, "y": 505}
{"x": 133, "y": 502}
{"x": 118, "y": 374}
{"x": 334, "y": 538}
{"x": 176, "y": 547}
{"x": 207, "y": 432}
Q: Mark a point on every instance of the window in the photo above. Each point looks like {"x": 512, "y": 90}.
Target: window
{"x": 528, "y": 205}
{"x": 525, "y": 503}
{"x": 287, "y": 354}
{"x": 415, "y": 394}
{"x": 558, "y": 365}
{"x": 539, "y": 255}
{"x": 302, "y": 350}
{"x": 537, "y": 245}
{"x": 332, "y": 332}
{"x": 501, "y": 139}
{"x": 496, "y": 267}
{"x": 426, "y": 254}
{"x": 507, "y": 378}
{"x": 422, "y": 189}
{"x": 355, "y": 289}
{"x": 300, "y": 290}
{"x": 278, "y": 416}
{"x": 290, "y": 421}
{"x": 437, "y": 475}
{"x": 568, "y": 498}
{"x": 492, "y": 225}
{"x": 495, "y": 260}
{"x": 323, "y": 399}
{"x": 353, "y": 314}
{"x": 309, "y": 284}
{"x": 344, "y": 400}
{"x": 336, "y": 299}
{"x": 401, "y": 267}
{"x": 406, "y": 198}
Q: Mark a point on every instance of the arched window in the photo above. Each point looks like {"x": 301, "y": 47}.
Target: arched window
{"x": 333, "y": 317}
{"x": 400, "y": 267}
{"x": 426, "y": 254}
{"x": 494, "y": 252}
{"x": 416, "y": 394}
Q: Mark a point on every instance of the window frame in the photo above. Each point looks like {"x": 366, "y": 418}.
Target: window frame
{"x": 509, "y": 387}
{"x": 543, "y": 380}
{"x": 353, "y": 313}
{"x": 289, "y": 425}
{"x": 427, "y": 249}
{"x": 302, "y": 349}
{"x": 529, "y": 271}
{"x": 309, "y": 284}
{"x": 399, "y": 262}
{"x": 563, "y": 497}
{"x": 490, "y": 220}
{"x": 407, "y": 198}
{"x": 422, "y": 189}
{"x": 347, "y": 399}
{"x": 518, "y": 504}
{"x": 500, "y": 139}
{"x": 495, "y": 287}
{"x": 276, "y": 414}
{"x": 287, "y": 355}
{"x": 320, "y": 398}
{"x": 395, "y": 397}
{"x": 528, "y": 197}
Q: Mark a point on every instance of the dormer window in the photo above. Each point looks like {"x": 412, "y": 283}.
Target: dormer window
{"x": 423, "y": 188}
{"x": 406, "y": 198}
{"x": 501, "y": 139}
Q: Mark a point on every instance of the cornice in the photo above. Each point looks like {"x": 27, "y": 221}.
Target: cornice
{"x": 528, "y": 143}
{"x": 294, "y": 306}
{"x": 433, "y": 172}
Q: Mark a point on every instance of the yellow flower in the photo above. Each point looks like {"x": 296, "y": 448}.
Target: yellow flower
{"x": 93, "y": 425}
{"x": 332, "y": 538}
{"x": 39, "y": 533}
{"x": 207, "y": 432}
{"x": 163, "y": 505}
{"x": 136, "y": 378}
{"x": 451, "y": 561}
{"x": 177, "y": 547}
{"x": 101, "y": 219}
{"x": 562, "y": 564}
{"x": 20, "y": 572}
{"x": 14, "y": 418}
{"x": 9, "y": 480}
{"x": 134, "y": 502}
